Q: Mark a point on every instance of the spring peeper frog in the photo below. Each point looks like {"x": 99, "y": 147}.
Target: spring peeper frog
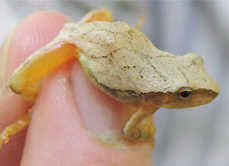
{"x": 122, "y": 62}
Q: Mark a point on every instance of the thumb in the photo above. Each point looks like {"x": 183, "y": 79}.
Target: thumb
{"x": 69, "y": 115}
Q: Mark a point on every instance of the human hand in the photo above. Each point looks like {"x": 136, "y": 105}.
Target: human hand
{"x": 67, "y": 107}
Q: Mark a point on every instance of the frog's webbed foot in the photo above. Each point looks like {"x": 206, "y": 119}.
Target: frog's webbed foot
{"x": 140, "y": 126}
{"x": 15, "y": 128}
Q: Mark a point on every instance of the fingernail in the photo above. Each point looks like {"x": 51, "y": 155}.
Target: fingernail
{"x": 102, "y": 115}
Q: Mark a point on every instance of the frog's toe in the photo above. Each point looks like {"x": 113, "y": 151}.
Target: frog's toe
{"x": 98, "y": 15}
{"x": 134, "y": 134}
{"x": 138, "y": 134}
{"x": 15, "y": 128}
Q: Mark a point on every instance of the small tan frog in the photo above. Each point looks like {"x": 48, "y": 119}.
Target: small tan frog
{"x": 122, "y": 62}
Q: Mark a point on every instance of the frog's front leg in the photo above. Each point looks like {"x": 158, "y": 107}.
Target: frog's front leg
{"x": 140, "y": 125}
{"x": 15, "y": 128}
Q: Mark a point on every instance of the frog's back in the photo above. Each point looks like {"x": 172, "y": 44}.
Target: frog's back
{"x": 120, "y": 57}
{"x": 116, "y": 54}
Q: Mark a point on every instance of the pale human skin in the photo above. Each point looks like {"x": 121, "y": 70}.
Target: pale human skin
{"x": 74, "y": 146}
{"x": 122, "y": 62}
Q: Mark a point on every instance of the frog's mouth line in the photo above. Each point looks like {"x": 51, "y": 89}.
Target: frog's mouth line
{"x": 161, "y": 99}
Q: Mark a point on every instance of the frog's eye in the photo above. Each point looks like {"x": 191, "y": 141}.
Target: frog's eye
{"x": 184, "y": 93}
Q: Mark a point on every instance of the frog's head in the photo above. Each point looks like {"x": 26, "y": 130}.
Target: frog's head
{"x": 188, "y": 97}
{"x": 196, "y": 87}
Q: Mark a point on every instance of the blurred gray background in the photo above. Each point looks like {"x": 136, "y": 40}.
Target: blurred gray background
{"x": 191, "y": 137}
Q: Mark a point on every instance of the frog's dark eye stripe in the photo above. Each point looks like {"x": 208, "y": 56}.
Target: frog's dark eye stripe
{"x": 184, "y": 93}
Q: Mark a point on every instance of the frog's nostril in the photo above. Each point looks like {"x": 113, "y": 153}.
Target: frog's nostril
{"x": 195, "y": 59}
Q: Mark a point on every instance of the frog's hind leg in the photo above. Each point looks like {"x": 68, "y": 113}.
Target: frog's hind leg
{"x": 15, "y": 128}
{"x": 26, "y": 79}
